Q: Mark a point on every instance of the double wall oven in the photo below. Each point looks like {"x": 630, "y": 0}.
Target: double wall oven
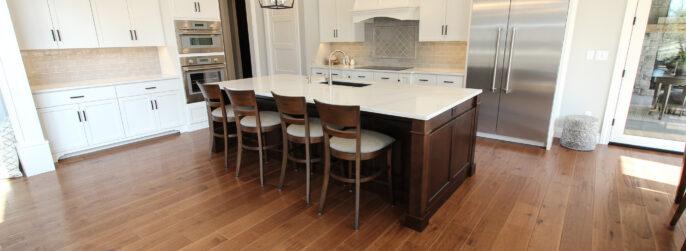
{"x": 199, "y": 36}
{"x": 201, "y": 70}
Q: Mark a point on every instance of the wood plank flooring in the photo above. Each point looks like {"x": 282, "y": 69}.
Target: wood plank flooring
{"x": 163, "y": 194}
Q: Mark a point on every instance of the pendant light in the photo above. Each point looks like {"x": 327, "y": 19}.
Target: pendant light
{"x": 276, "y": 4}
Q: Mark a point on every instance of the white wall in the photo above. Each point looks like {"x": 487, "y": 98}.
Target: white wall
{"x": 3, "y": 113}
{"x": 32, "y": 148}
{"x": 597, "y": 27}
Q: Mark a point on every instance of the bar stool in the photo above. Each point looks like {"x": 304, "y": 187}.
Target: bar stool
{"x": 353, "y": 144}
{"x": 297, "y": 127}
{"x": 247, "y": 120}
{"x": 220, "y": 112}
{"x": 680, "y": 194}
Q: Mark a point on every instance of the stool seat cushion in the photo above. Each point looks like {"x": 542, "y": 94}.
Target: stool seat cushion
{"x": 299, "y": 130}
{"x": 217, "y": 113}
{"x": 371, "y": 141}
{"x": 267, "y": 118}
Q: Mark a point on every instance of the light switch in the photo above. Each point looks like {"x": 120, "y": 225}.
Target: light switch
{"x": 590, "y": 55}
{"x": 602, "y": 55}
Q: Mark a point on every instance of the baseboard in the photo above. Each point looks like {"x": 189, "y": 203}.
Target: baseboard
{"x": 510, "y": 139}
{"x": 60, "y": 156}
{"x": 35, "y": 158}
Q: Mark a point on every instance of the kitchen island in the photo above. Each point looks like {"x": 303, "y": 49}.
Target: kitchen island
{"x": 434, "y": 128}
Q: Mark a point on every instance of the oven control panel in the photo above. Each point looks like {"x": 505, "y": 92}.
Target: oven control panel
{"x": 190, "y": 61}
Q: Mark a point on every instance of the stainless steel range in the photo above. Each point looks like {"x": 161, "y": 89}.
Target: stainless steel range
{"x": 201, "y": 70}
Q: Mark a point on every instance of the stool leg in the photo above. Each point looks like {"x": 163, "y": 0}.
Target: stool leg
{"x": 308, "y": 166}
{"x": 390, "y": 176}
{"x": 677, "y": 214}
{"x": 350, "y": 175}
{"x": 226, "y": 147}
{"x": 284, "y": 161}
{"x": 261, "y": 154}
{"x": 357, "y": 193}
{"x": 680, "y": 189}
{"x": 240, "y": 152}
{"x": 325, "y": 184}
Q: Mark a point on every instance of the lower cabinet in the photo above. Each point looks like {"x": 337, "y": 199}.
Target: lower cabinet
{"x": 72, "y": 127}
{"x": 149, "y": 113}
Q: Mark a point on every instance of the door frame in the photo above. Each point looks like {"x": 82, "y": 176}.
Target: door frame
{"x": 626, "y": 66}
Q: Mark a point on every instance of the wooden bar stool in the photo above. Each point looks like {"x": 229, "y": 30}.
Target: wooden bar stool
{"x": 352, "y": 144}
{"x": 249, "y": 119}
{"x": 297, "y": 127}
{"x": 218, "y": 112}
{"x": 679, "y": 197}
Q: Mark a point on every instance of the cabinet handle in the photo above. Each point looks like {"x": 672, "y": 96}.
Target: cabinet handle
{"x": 151, "y": 88}
{"x": 77, "y": 97}
{"x": 79, "y": 114}
{"x": 442, "y": 30}
{"x": 334, "y": 32}
{"x": 361, "y": 76}
{"x": 446, "y": 29}
{"x": 152, "y": 106}
{"x": 131, "y": 33}
{"x": 84, "y": 116}
{"x": 59, "y": 36}
{"x": 135, "y": 34}
{"x": 424, "y": 80}
{"x": 157, "y": 107}
{"x": 195, "y": 5}
{"x": 54, "y": 39}
{"x": 448, "y": 82}
{"x": 385, "y": 78}
{"x": 199, "y": 10}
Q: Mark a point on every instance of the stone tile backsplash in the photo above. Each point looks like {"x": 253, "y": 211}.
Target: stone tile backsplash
{"x": 391, "y": 42}
{"x": 45, "y": 67}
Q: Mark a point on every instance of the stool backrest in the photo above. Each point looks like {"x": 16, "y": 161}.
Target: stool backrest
{"x": 341, "y": 116}
{"x": 213, "y": 97}
{"x": 244, "y": 102}
{"x": 292, "y": 110}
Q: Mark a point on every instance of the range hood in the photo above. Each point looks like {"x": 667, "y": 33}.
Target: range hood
{"x": 397, "y": 9}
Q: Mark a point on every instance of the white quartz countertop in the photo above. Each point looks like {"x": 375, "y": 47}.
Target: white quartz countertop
{"x": 394, "y": 99}
{"x": 419, "y": 70}
{"x": 40, "y": 88}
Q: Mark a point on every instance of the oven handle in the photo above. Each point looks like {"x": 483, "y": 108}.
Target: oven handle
{"x": 186, "y": 33}
{"x": 204, "y": 68}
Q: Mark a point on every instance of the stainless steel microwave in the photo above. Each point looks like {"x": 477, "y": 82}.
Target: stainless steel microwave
{"x": 199, "y": 36}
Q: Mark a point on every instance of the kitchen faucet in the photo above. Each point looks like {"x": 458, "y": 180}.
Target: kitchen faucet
{"x": 331, "y": 63}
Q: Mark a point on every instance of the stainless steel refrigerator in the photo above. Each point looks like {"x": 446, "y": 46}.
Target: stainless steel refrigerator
{"x": 515, "y": 48}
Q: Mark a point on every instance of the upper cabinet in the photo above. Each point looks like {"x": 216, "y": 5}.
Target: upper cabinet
{"x": 196, "y": 9}
{"x": 444, "y": 20}
{"x": 53, "y": 24}
{"x": 128, "y": 23}
{"x": 336, "y": 22}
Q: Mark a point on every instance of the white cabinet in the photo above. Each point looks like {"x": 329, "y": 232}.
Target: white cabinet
{"x": 196, "y": 9}
{"x": 63, "y": 126}
{"x": 73, "y": 127}
{"x": 150, "y": 113}
{"x": 444, "y": 20}
{"x": 123, "y": 23}
{"x": 336, "y": 22}
{"x": 53, "y": 24}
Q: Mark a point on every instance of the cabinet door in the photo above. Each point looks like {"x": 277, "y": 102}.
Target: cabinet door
{"x": 73, "y": 20}
{"x": 102, "y": 121}
{"x": 431, "y": 20}
{"x": 138, "y": 115}
{"x": 440, "y": 150}
{"x": 33, "y": 24}
{"x": 63, "y": 126}
{"x": 113, "y": 22}
{"x": 170, "y": 110}
{"x": 147, "y": 23}
{"x": 327, "y": 20}
{"x": 208, "y": 9}
{"x": 347, "y": 31}
{"x": 185, "y": 8}
{"x": 457, "y": 19}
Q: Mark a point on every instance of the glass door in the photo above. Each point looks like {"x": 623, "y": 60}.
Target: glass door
{"x": 651, "y": 107}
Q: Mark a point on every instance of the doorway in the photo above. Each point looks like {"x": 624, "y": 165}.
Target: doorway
{"x": 651, "y": 109}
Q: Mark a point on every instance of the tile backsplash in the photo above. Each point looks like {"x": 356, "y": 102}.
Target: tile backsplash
{"x": 392, "y": 42}
{"x": 45, "y": 67}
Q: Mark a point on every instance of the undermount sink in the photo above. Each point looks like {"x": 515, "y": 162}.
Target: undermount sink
{"x": 343, "y": 83}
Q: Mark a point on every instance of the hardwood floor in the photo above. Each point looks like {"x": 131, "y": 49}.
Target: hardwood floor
{"x": 164, "y": 194}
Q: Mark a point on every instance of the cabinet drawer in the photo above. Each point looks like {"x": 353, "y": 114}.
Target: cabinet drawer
{"x": 321, "y": 72}
{"x": 53, "y": 99}
{"x": 451, "y": 81}
{"x": 362, "y": 75}
{"x": 145, "y": 88}
{"x": 424, "y": 79}
{"x": 386, "y": 77}
{"x": 339, "y": 74}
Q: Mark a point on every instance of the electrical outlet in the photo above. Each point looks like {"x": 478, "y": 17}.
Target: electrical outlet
{"x": 602, "y": 55}
{"x": 590, "y": 55}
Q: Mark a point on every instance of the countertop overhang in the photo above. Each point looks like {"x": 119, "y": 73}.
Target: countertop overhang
{"x": 394, "y": 99}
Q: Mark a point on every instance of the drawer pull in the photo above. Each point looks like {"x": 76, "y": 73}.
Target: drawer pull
{"x": 335, "y": 74}
{"x": 424, "y": 80}
{"x": 448, "y": 82}
{"x": 361, "y": 76}
{"x": 151, "y": 88}
{"x": 77, "y": 97}
{"x": 385, "y": 78}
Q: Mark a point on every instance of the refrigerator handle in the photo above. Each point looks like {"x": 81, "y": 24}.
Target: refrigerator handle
{"x": 495, "y": 65}
{"x": 509, "y": 64}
